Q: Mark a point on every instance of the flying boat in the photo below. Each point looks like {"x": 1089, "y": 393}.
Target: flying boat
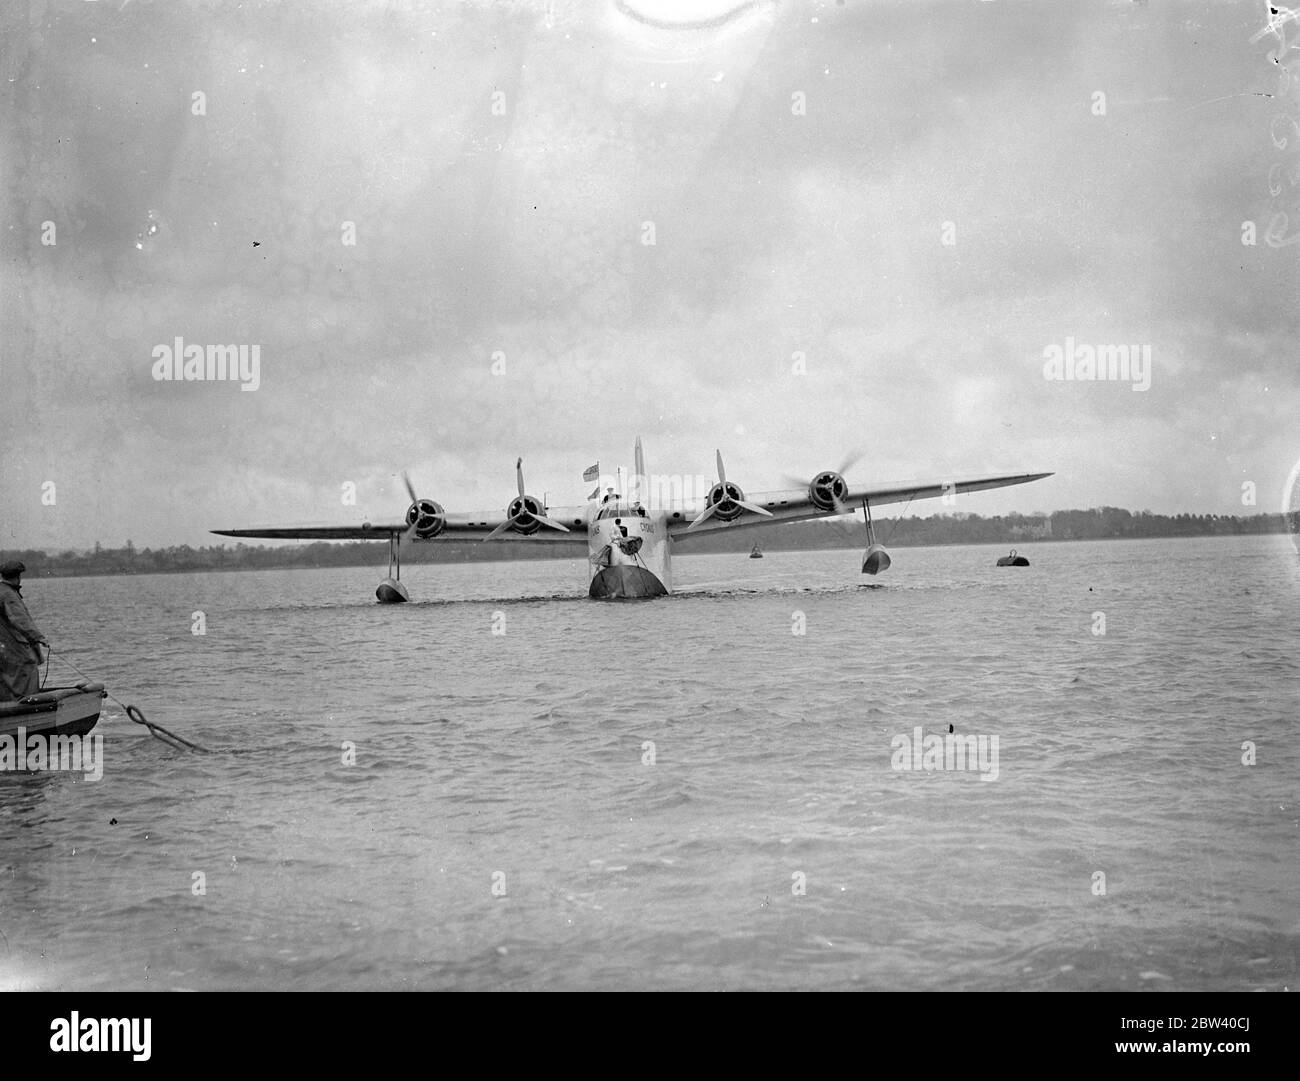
{"x": 628, "y": 543}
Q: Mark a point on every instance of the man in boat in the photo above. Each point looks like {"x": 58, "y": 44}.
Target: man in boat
{"x": 20, "y": 638}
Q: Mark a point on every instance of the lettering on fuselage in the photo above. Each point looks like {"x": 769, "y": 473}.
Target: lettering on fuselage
{"x": 631, "y": 524}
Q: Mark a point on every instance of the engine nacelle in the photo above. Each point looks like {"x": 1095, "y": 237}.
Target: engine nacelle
{"x": 427, "y": 517}
{"x": 828, "y": 490}
{"x": 525, "y": 509}
{"x": 726, "y": 496}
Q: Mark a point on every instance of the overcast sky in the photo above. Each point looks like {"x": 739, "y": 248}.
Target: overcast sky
{"x": 502, "y": 168}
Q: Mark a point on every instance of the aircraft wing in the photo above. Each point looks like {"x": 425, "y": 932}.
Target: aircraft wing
{"x": 470, "y": 526}
{"x": 796, "y": 505}
{"x": 365, "y": 531}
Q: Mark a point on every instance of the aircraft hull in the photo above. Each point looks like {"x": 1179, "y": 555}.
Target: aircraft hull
{"x": 625, "y": 583}
{"x": 629, "y": 557}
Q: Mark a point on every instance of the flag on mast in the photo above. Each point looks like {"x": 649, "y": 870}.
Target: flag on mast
{"x": 591, "y": 472}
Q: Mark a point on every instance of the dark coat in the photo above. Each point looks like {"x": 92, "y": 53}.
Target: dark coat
{"x": 19, "y": 658}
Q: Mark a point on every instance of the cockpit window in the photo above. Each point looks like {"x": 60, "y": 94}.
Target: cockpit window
{"x": 616, "y": 509}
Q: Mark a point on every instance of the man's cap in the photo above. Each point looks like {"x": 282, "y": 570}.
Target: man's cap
{"x": 12, "y": 569}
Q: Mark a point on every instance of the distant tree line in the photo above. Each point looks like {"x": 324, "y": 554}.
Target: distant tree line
{"x": 1102, "y": 523}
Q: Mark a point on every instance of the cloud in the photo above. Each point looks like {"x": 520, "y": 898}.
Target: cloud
{"x": 503, "y": 169}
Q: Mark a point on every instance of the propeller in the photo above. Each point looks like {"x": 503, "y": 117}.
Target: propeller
{"x": 410, "y": 488}
{"x": 827, "y": 488}
{"x": 730, "y": 494}
{"x": 521, "y": 510}
{"x": 424, "y": 514}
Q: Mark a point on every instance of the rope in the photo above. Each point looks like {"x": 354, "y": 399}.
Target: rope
{"x": 894, "y": 528}
{"x": 135, "y": 714}
{"x": 179, "y": 742}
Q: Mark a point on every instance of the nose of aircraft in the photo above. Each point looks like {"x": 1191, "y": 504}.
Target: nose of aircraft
{"x": 619, "y": 559}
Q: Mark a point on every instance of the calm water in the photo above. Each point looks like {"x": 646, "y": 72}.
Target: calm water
{"x": 515, "y": 761}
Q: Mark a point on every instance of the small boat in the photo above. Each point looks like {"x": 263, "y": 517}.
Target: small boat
{"x": 54, "y": 711}
{"x": 754, "y": 553}
{"x": 1013, "y": 560}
